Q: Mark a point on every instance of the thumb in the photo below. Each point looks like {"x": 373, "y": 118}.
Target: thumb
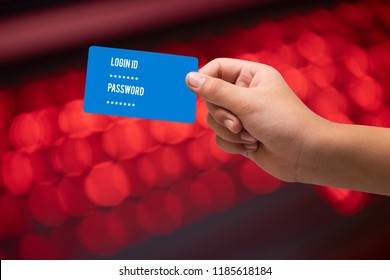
{"x": 216, "y": 91}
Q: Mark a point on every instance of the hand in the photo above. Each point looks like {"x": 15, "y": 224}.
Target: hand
{"x": 254, "y": 113}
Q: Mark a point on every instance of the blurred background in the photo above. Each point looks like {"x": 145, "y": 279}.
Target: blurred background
{"x": 84, "y": 186}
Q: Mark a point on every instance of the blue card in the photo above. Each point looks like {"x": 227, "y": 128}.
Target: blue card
{"x": 139, "y": 84}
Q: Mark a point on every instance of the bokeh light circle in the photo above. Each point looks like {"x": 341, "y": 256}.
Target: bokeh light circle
{"x": 107, "y": 184}
{"x": 17, "y": 172}
{"x": 46, "y": 206}
{"x": 256, "y": 180}
{"x": 213, "y": 190}
{"x": 72, "y": 156}
{"x": 160, "y": 212}
{"x": 102, "y": 233}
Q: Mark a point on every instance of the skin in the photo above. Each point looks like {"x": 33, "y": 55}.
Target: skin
{"x": 254, "y": 113}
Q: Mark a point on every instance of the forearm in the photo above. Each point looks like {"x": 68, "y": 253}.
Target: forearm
{"x": 350, "y": 156}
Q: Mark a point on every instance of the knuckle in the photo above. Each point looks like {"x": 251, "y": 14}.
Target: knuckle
{"x": 220, "y": 115}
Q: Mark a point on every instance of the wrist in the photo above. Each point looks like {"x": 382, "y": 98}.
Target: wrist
{"x": 315, "y": 140}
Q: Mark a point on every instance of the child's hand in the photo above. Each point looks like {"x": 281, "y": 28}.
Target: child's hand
{"x": 254, "y": 112}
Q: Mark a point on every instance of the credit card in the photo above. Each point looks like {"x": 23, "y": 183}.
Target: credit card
{"x": 139, "y": 84}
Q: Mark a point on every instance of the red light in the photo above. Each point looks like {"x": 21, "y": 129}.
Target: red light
{"x": 73, "y": 197}
{"x": 279, "y": 56}
{"x": 126, "y": 213}
{"x": 345, "y": 202}
{"x": 213, "y": 190}
{"x": 268, "y": 56}
{"x": 43, "y": 170}
{"x": 197, "y": 153}
{"x": 321, "y": 76}
{"x": 297, "y": 81}
{"x": 48, "y": 120}
{"x": 356, "y": 61}
{"x": 172, "y": 163}
{"x": 147, "y": 171}
{"x": 340, "y": 118}
{"x": 138, "y": 185}
{"x": 329, "y": 102}
{"x": 26, "y": 133}
{"x": 182, "y": 190}
{"x": 31, "y": 131}
{"x": 72, "y": 156}
{"x": 287, "y": 55}
{"x": 17, "y": 172}
{"x": 201, "y": 113}
{"x": 312, "y": 47}
{"x": 335, "y": 44}
{"x": 221, "y": 156}
{"x": 256, "y": 180}
{"x": 380, "y": 117}
{"x": 95, "y": 141}
{"x": 204, "y": 153}
{"x": 171, "y": 132}
{"x": 15, "y": 219}
{"x": 74, "y": 121}
{"x": 102, "y": 233}
{"x": 366, "y": 92}
{"x": 162, "y": 167}
{"x": 126, "y": 139}
{"x": 107, "y": 184}
{"x": 160, "y": 212}
{"x": 46, "y": 205}
{"x": 379, "y": 61}
{"x": 248, "y": 57}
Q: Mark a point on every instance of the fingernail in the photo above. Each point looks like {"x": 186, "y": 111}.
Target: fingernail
{"x": 229, "y": 124}
{"x": 245, "y": 136}
{"x": 251, "y": 146}
{"x": 195, "y": 79}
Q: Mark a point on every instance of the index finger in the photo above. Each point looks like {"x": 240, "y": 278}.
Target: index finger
{"x": 229, "y": 69}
